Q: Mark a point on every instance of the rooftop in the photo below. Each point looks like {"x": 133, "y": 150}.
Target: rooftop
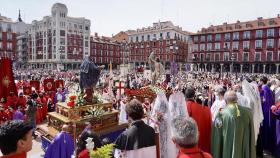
{"x": 260, "y": 23}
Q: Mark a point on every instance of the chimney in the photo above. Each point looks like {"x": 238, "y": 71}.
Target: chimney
{"x": 225, "y": 23}
{"x": 237, "y": 21}
{"x": 260, "y": 18}
{"x": 96, "y": 34}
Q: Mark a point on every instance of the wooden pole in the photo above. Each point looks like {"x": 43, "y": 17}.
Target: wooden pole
{"x": 157, "y": 145}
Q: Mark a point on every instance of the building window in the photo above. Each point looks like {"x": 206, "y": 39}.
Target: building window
{"x": 201, "y": 57}
{"x": 155, "y": 36}
{"x": 142, "y": 38}
{"x": 246, "y": 44}
{"x": 235, "y": 35}
{"x": 227, "y": 45}
{"x": 258, "y": 44}
{"x": 269, "y": 56}
{"x": 235, "y": 45}
{"x": 226, "y": 56}
{"x": 217, "y": 56}
{"x": 217, "y": 46}
{"x": 168, "y": 35}
{"x": 195, "y": 47}
{"x": 9, "y": 46}
{"x": 270, "y": 33}
{"x": 218, "y": 37}
{"x": 202, "y": 38}
{"x": 9, "y": 36}
{"x": 245, "y": 56}
{"x": 259, "y": 33}
{"x": 279, "y": 56}
{"x": 209, "y": 46}
{"x": 195, "y": 38}
{"x": 269, "y": 43}
{"x": 209, "y": 38}
{"x": 202, "y": 47}
{"x": 227, "y": 36}
{"x": 148, "y": 37}
{"x": 208, "y": 57}
{"x": 1, "y": 46}
{"x": 258, "y": 56}
{"x": 136, "y": 38}
{"x": 246, "y": 35}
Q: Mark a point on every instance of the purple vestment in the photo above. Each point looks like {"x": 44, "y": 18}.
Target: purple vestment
{"x": 268, "y": 128}
{"x": 56, "y": 98}
{"x": 18, "y": 115}
{"x": 61, "y": 147}
{"x": 277, "y": 115}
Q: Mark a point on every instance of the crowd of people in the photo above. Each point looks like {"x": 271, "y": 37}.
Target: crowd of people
{"x": 207, "y": 115}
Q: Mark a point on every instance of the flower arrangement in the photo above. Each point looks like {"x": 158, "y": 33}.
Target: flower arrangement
{"x": 71, "y": 102}
{"x": 103, "y": 152}
{"x": 95, "y": 111}
{"x": 97, "y": 98}
{"x": 75, "y": 99}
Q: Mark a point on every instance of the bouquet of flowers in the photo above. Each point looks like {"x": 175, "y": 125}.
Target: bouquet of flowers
{"x": 95, "y": 111}
{"x": 104, "y": 152}
{"x": 75, "y": 99}
{"x": 71, "y": 102}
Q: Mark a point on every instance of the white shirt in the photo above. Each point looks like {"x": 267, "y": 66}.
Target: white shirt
{"x": 215, "y": 108}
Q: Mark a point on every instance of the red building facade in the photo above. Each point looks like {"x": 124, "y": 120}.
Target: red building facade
{"x": 168, "y": 42}
{"x": 106, "y": 50}
{"x": 252, "y": 46}
{"x": 8, "y": 41}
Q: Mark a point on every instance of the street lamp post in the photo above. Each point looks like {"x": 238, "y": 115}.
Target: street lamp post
{"x": 232, "y": 59}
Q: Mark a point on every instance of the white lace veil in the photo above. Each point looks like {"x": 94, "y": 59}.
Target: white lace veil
{"x": 251, "y": 92}
{"x": 177, "y": 105}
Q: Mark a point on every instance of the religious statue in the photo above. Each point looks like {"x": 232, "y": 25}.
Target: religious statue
{"x": 89, "y": 76}
{"x": 156, "y": 68}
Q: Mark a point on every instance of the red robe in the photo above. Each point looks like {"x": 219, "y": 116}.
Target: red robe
{"x": 202, "y": 116}
{"x": 22, "y": 101}
{"x": 3, "y": 117}
{"x": 39, "y": 112}
{"x": 11, "y": 100}
{"x": 9, "y": 114}
{"x": 44, "y": 107}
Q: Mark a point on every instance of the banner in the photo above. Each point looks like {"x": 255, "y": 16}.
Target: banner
{"x": 49, "y": 85}
{"x": 7, "y": 82}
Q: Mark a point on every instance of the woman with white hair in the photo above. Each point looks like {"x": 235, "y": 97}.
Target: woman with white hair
{"x": 184, "y": 133}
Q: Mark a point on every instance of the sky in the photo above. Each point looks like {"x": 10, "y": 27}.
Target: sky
{"x": 108, "y": 17}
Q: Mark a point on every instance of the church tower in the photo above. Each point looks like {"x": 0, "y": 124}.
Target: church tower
{"x": 19, "y": 17}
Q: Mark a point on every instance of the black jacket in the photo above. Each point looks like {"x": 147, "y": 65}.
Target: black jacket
{"x": 138, "y": 135}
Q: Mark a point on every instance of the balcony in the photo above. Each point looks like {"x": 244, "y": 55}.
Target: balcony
{"x": 245, "y": 48}
{"x": 235, "y": 48}
{"x": 270, "y": 35}
{"x": 258, "y": 47}
{"x": 235, "y": 39}
{"x": 246, "y": 37}
{"x": 258, "y": 37}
